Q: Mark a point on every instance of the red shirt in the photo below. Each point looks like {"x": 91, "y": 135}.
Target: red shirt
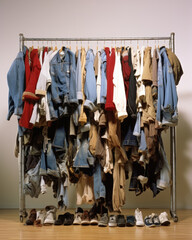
{"x": 109, "y": 105}
{"x": 126, "y": 69}
{"x": 32, "y": 75}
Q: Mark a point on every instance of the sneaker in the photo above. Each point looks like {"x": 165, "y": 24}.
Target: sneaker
{"x": 130, "y": 221}
{"x": 94, "y": 220}
{"x": 163, "y": 217}
{"x": 156, "y": 220}
{"x": 78, "y": 215}
{"x": 121, "y": 221}
{"x": 149, "y": 221}
{"x": 93, "y": 215}
{"x": 40, "y": 218}
{"x": 68, "y": 219}
{"x": 103, "y": 220}
{"x": 50, "y": 216}
{"x": 139, "y": 218}
{"x": 85, "y": 220}
{"x": 112, "y": 221}
{"x": 32, "y": 217}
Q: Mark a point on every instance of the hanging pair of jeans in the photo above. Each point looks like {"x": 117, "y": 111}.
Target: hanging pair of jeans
{"x": 48, "y": 162}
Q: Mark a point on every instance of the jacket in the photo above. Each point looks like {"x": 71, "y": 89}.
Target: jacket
{"x": 167, "y": 94}
{"x": 16, "y": 84}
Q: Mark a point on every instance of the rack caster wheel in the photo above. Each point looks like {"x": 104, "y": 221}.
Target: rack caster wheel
{"x": 174, "y": 216}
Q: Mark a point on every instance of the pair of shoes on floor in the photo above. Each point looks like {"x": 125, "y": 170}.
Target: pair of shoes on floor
{"x": 65, "y": 219}
{"x": 117, "y": 221}
{"x": 121, "y": 221}
{"x": 154, "y": 220}
{"x": 89, "y": 218}
{"x": 85, "y": 217}
{"x": 42, "y": 217}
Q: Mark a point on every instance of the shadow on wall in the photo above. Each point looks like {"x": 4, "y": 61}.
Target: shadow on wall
{"x": 184, "y": 163}
{"x": 183, "y": 173}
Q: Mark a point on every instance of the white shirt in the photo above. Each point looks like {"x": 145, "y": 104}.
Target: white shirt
{"x": 119, "y": 97}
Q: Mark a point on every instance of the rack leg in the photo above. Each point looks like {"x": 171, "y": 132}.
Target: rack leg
{"x": 22, "y": 210}
{"x": 173, "y": 174}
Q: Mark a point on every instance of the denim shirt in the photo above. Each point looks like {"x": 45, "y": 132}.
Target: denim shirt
{"x": 16, "y": 84}
{"x": 103, "y": 93}
{"x": 90, "y": 87}
{"x": 63, "y": 76}
{"x": 167, "y": 93}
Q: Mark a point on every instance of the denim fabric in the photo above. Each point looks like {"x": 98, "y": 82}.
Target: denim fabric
{"x": 142, "y": 144}
{"x": 90, "y": 87}
{"x": 16, "y": 84}
{"x": 83, "y": 158}
{"x": 63, "y": 76}
{"x": 103, "y": 92}
{"x": 165, "y": 173}
{"x": 137, "y": 128}
{"x": 48, "y": 162}
{"x": 33, "y": 188}
{"x": 99, "y": 188}
{"x": 127, "y": 127}
{"x": 62, "y": 194}
{"x": 60, "y": 142}
{"x": 167, "y": 94}
{"x": 78, "y": 77}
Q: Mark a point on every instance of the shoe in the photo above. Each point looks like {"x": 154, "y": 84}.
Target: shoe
{"x": 93, "y": 215}
{"x": 32, "y": 217}
{"x": 50, "y": 216}
{"x": 40, "y": 218}
{"x": 85, "y": 220}
{"x": 156, "y": 220}
{"x": 163, "y": 218}
{"x": 78, "y": 215}
{"x": 68, "y": 219}
{"x": 94, "y": 220}
{"x": 60, "y": 220}
{"x": 121, "y": 221}
{"x": 112, "y": 221}
{"x": 103, "y": 220}
{"x": 130, "y": 221}
{"x": 149, "y": 221}
{"x": 139, "y": 218}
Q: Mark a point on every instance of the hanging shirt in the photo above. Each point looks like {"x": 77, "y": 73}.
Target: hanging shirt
{"x": 119, "y": 97}
{"x": 109, "y": 105}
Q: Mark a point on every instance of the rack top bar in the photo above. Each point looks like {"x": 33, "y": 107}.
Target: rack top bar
{"x": 96, "y": 39}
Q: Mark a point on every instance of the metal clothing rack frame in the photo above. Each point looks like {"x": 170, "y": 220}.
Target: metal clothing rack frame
{"x": 171, "y": 39}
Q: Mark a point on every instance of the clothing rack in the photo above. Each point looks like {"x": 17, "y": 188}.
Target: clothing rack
{"x": 171, "y": 39}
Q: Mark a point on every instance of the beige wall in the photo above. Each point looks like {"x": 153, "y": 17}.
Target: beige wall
{"x": 87, "y": 18}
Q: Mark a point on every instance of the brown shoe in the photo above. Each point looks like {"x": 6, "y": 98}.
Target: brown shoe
{"x": 32, "y": 217}
{"x": 85, "y": 219}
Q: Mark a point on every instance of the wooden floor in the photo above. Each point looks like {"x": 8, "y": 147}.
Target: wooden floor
{"x": 11, "y": 228}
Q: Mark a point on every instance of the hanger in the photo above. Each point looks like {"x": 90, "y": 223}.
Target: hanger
{"x": 32, "y": 46}
{"x": 55, "y": 45}
{"x": 97, "y": 46}
{"x": 70, "y": 45}
{"x": 76, "y": 47}
{"x": 137, "y": 45}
